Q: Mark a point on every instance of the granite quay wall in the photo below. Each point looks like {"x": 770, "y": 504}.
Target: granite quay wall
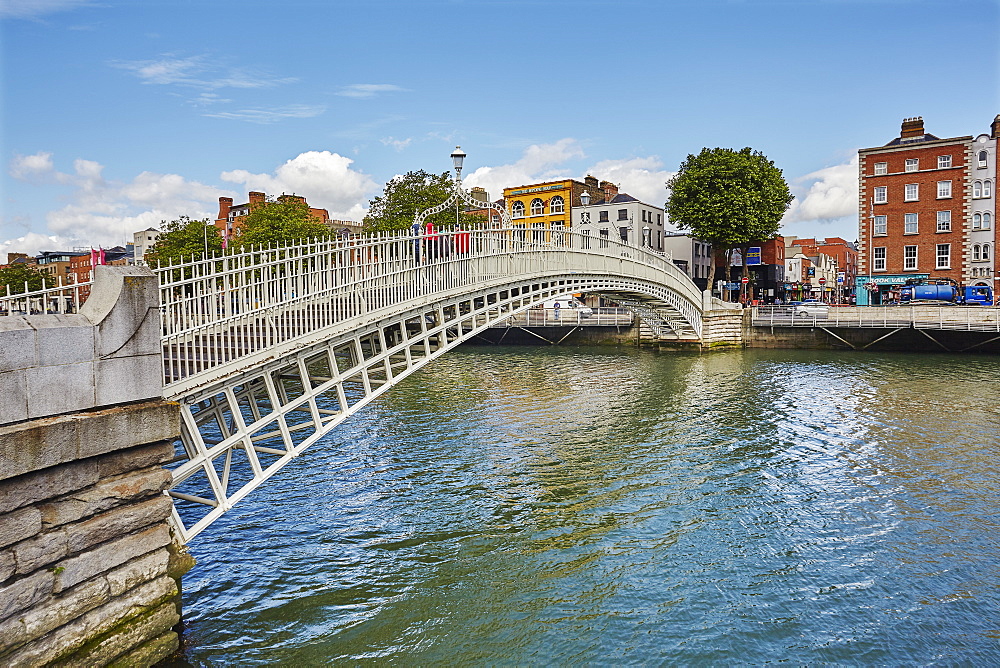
{"x": 89, "y": 572}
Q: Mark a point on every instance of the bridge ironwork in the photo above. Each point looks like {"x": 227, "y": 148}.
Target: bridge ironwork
{"x": 270, "y": 349}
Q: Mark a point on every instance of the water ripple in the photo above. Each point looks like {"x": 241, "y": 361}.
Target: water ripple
{"x": 536, "y": 506}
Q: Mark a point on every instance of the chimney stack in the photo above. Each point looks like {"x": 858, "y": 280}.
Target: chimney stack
{"x": 256, "y": 198}
{"x": 995, "y": 127}
{"x": 225, "y": 203}
{"x": 591, "y": 182}
{"x": 610, "y": 190}
{"x": 912, "y": 127}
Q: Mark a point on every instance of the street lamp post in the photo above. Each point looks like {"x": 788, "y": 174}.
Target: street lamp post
{"x": 457, "y": 159}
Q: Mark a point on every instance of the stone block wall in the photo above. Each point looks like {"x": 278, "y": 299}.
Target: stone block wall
{"x": 722, "y": 328}
{"x": 85, "y": 549}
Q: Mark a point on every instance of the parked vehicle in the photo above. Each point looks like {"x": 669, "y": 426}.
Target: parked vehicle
{"x": 978, "y": 295}
{"x": 812, "y": 308}
{"x": 945, "y": 290}
{"x": 570, "y": 304}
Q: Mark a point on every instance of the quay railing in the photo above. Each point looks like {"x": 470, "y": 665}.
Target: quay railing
{"x": 962, "y": 318}
{"x": 570, "y": 317}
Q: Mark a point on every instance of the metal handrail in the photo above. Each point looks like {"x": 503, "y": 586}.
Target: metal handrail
{"x": 961, "y": 318}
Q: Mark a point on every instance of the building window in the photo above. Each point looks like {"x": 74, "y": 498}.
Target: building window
{"x": 944, "y": 221}
{"x": 986, "y": 252}
{"x": 537, "y": 208}
{"x": 878, "y": 259}
{"x": 987, "y": 221}
{"x": 943, "y": 256}
{"x": 658, "y": 221}
{"x": 603, "y": 216}
{"x": 912, "y": 192}
{"x": 982, "y": 160}
{"x": 975, "y": 253}
{"x": 912, "y": 164}
{"x": 944, "y": 161}
{"x": 977, "y": 189}
{"x": 517, "y": 210}
{"x": 881, "y": 168}
{"x": 557, "y": 205}
{"x": 910, "y": 223}
{"x": 944, "y": 189}
{"x": 987, "y": 188}
{"x": 977, "y": 221}
{"x": 644, "y": 215}
{"x": 909, "y": 257}
{"x": 881, "y": 195}
{"x": 604, "y": 237}
{"x": 880, "y": 228}
{"x": 622, "y": 214}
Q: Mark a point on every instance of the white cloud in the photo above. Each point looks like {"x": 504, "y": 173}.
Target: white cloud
{"x": 368, "y": 90}
{"x": 33, "y": 243}
{"x": 267, "y": 116}
{"x": 826, "y": 194}
{"x": 28, "y": 9}
{"x": 324, "y": 178}
{"x": 398, "y": 144}
{"x": 105, "y": 212}
{"x": 539, "y": 162}
{"x": 31, "y": 167}
{"x": 641, "y": 178}
{"x": 198, "y": 72}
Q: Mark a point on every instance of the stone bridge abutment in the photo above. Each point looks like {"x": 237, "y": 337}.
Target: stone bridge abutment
{"x": 89, "y": 572}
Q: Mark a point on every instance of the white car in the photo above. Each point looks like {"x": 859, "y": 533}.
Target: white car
{"x": 812, "y": 308}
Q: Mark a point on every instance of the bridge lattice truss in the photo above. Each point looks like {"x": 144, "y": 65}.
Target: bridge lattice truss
{"x": 268, "y": 351}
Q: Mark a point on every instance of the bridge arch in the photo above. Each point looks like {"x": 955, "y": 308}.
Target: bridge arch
{"x": 268, "y": 351}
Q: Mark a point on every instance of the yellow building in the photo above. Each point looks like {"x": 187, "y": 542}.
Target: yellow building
{"x": 543, "y": 206}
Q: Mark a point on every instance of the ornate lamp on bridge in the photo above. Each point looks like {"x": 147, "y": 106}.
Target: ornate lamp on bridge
{"x": 457, "y": 197}
{"x": 457, "y": 158}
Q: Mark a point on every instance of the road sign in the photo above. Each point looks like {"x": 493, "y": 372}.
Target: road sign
{"x": 744, "y": 280}
{"x": 822, "y": 281}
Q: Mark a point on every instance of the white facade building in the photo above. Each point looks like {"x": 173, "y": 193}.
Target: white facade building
{"x": 142, "y": 242}
{"x": 623, "y": 218}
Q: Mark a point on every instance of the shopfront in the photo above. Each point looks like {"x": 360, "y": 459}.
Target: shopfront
{"x": 882, "y": 289}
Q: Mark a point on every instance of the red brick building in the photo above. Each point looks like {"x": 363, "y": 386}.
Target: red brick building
{"x": 231, "y": 215}
{"x": 927, "y": 207}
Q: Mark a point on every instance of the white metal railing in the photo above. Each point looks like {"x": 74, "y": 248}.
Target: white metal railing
{"x": 570, "y": 317}
{"x": 966, "y": 318}
{"x": 59, "y": 298}
{"x": 254, "y": 303}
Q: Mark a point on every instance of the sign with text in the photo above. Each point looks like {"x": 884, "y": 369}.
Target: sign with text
{"x": 753, "y": 255}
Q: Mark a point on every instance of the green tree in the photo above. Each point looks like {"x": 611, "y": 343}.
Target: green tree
{"x": 16, "y": 275}
{"x": 184, "y": 239}
{"x": 728, "y": 198}
{"x": 405, "y": 195}
{"x": 280, "y": 221}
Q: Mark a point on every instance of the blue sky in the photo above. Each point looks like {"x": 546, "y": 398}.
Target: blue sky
{"x": 117, "y": 115}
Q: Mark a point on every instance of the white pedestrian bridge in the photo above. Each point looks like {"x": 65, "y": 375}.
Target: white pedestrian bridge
{"x": 267, "y": 350}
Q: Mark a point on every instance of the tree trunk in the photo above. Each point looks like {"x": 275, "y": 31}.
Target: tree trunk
{"x": 747, "y": 295}
{"x": 727, "y": 267}
{"x": 711, "y": 270}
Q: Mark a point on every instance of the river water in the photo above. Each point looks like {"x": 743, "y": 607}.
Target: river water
{"x": 571, "y": 506}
